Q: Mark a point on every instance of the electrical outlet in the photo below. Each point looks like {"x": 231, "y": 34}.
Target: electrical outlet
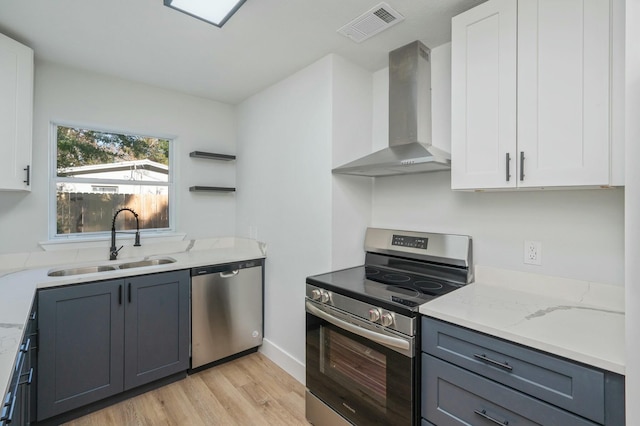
{"x": 533, "y": 252}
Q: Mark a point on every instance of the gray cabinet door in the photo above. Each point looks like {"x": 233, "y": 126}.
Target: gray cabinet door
{"x": 80, "y": 357}
{"x": 156, "y": 327}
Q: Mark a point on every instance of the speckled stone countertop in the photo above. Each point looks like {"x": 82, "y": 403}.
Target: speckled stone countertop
{"x": 578, "y": 320}
{"x": 22, "y": 274}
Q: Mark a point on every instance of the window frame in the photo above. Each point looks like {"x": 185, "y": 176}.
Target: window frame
{"x": 54, "y": 179}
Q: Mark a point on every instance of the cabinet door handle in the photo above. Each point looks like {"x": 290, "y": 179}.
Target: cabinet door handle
{"x": 120, "y": 294}
{"x": 129, "y": 291}
{"x": 7, "y": 408}
{"x": 29, "y": 378}
{"x": 483, "y": 357}
{"x": 521, "y": 165}
{"x": 508, "y": 161}
{"x": 229, "y": 274}
{"x": 28, "y": 170}
{"x": 484, "y": 415}
{"x": 27, "y": 345}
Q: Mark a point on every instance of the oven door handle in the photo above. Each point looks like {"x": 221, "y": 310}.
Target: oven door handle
{"x": 388, "y": 341}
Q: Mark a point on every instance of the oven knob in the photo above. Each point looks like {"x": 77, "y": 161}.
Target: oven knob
{"x": 374, "y": 315}
{"x": 325, "y": 297}
{"x": 386, "y": 319}
{"x": 316, "y": 294}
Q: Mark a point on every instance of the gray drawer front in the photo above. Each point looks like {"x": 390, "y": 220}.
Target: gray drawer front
{"x": 568, "y": 385}
{"x": 454, "y": 396}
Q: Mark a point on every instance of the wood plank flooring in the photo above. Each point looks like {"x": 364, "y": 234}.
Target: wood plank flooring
{"x": 251, "y": 390}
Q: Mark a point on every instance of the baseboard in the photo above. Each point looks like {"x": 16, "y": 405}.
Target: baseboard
{"x": 284, "y": 360}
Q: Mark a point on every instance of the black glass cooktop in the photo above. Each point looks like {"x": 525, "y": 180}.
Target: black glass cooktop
{"x": 375, "y": 284}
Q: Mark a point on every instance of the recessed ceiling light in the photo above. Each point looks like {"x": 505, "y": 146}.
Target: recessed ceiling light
{"x": 215, "y": 12}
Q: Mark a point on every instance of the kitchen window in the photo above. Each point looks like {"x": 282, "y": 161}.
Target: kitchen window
{"x": 97, "y": 172}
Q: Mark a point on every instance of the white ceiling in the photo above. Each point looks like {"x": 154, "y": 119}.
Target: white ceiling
{"x": 265, "y": 41}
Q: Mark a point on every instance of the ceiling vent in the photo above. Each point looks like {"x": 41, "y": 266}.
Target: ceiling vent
{"x": 371, "y": 23}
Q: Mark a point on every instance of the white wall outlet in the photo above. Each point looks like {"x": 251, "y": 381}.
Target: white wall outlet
{"x": 533, "y": 252}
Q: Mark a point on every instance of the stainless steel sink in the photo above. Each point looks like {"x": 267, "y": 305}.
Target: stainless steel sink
{"x": 148, "y": 262}
{"x": 104, "y": 268}
{"x": 80, "y": 270}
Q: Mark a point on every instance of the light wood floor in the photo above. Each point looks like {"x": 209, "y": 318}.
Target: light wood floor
{"x": 250, "y": 390}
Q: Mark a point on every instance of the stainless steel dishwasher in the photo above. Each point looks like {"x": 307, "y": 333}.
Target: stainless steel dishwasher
{"x": 226, "y": 310}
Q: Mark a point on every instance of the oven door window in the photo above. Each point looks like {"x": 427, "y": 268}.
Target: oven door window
{"x": 365, "y": 382}
{"x": 355, "y": 366}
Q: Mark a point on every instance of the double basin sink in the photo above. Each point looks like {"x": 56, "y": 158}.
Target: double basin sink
{"x": 63, "y": 272}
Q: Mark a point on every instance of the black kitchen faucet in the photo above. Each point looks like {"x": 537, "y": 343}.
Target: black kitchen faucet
{"x": 113, "y": 251}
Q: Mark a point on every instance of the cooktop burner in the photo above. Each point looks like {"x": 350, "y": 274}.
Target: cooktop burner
{"x": 413, "y": 283}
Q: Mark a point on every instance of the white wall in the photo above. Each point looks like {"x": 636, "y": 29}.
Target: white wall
{"x": 632, "y": 211}
{"x": 581, "y": 231}
{"x": 73, "y": 96}
{"x": 351, "y": 138}
{"x": 290, "y": 136}
{"x": 284, "y": 196}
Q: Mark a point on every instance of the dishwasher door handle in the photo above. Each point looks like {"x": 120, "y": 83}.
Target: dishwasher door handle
{"x": 229, "y": 274}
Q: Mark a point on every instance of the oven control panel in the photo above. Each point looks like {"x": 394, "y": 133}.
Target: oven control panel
{"x": 411, "y": 242}
{"x": 372, "y": 313}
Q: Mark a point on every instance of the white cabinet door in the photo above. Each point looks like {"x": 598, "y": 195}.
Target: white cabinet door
{"x": 563, "y": 92}
{"x": 483, "y": 96}
{"x": 16, "y": 111}
{"x": 541, "y": 67}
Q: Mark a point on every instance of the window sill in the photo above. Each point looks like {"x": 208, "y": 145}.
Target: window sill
{"x": 78, "y": 242}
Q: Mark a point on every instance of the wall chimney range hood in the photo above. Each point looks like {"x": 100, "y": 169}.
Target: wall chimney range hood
{"x": 410, "y": 142}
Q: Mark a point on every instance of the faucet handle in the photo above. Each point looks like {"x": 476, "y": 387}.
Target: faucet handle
{"x": 113, "y": 253}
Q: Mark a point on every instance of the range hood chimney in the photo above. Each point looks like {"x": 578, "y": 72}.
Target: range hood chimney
{"x": 410, "y": 146}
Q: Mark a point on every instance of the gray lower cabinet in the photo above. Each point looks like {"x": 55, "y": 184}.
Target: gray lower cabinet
{"x": 18, "y": 406}
{"x": 100, "y": 339}
{"x": 156, "y": 334}
{"x": 472, "y": 378}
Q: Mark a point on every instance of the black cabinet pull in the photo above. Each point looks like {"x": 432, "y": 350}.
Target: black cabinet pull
{"x": 29, "y": 378}
{"x": 521, "y": 165}
{"x": 28, "y": 170}
{"x": 7, "y": 407}
{"x": 129, "y": 292}
{"x": 483, "y": 357}
{"x": 120, "y": 294}
{"x": 508, "y": 161}
{"x": 484, "y": 415}
{"x": 26, "y": 346}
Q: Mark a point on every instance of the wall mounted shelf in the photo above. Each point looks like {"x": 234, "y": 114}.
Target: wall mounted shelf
{"x": 198, "y": 188}
{"x": 212, "y": 156}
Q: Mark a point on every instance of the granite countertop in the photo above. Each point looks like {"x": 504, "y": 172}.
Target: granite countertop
{"x": 23, "y": 273}
{"x": 578, "y": 320}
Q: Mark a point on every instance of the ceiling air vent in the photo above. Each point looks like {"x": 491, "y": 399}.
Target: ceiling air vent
{"x": 371, "y": 23}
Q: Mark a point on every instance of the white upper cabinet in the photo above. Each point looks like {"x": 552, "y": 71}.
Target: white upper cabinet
{"x": 531, "y": 94}
{"x": 16, "y": 112}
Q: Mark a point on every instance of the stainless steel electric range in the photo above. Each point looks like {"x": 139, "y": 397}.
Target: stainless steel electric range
{"x": 363, "y": 328}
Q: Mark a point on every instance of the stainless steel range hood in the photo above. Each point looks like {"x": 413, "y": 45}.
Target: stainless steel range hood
{"x": 410, "y": 143}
